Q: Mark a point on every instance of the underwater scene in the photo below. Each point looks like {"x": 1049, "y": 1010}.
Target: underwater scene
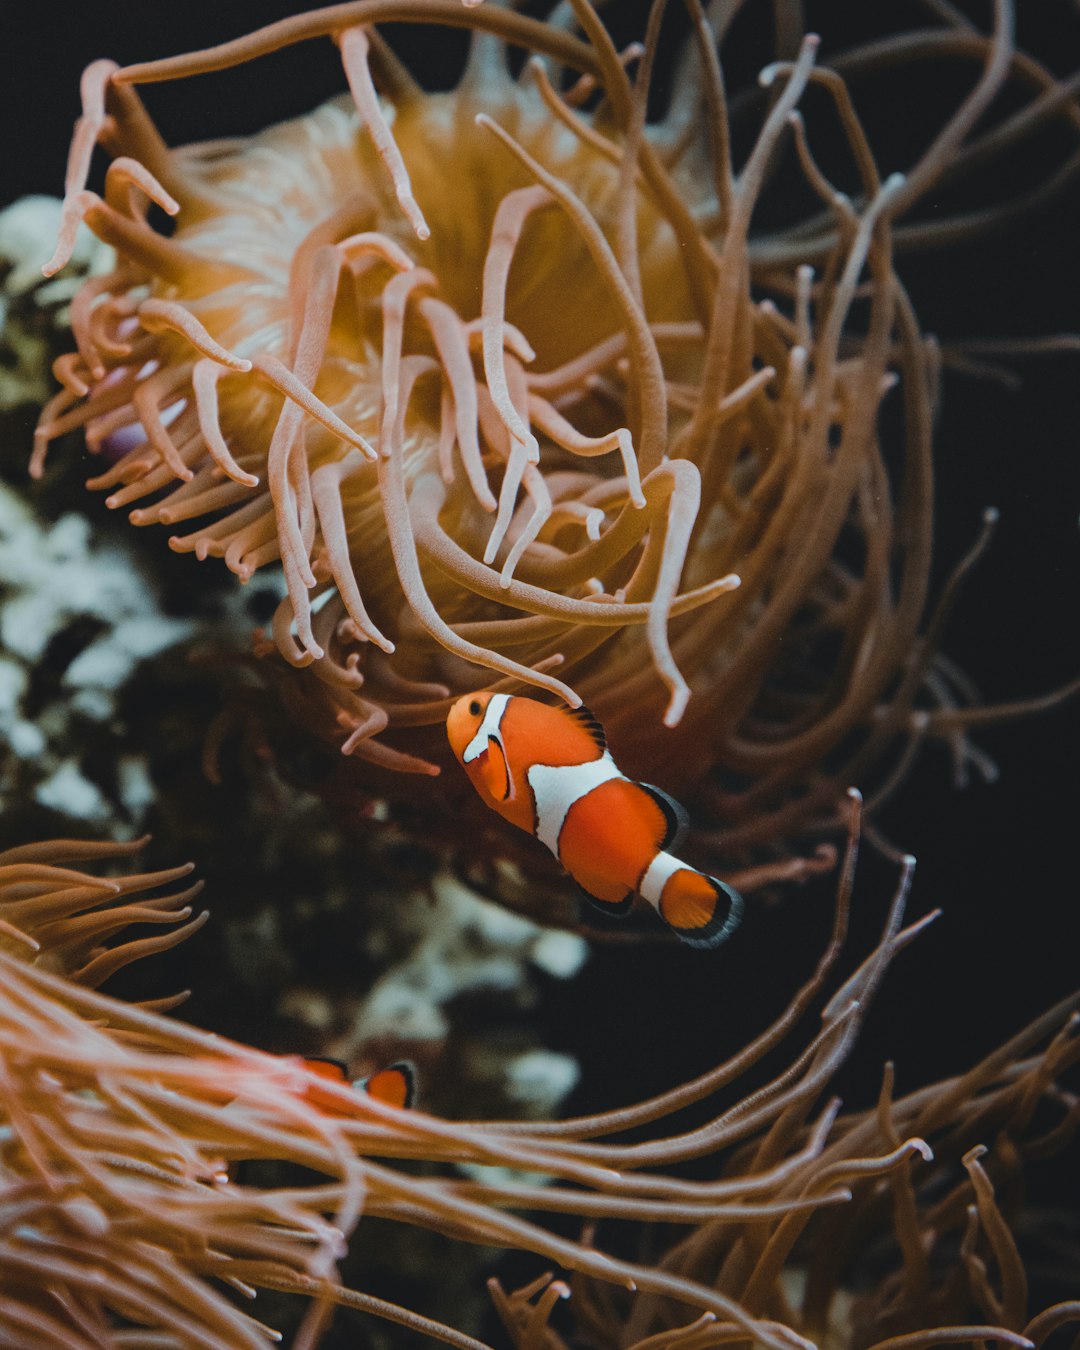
{"x": 538, "y": 610}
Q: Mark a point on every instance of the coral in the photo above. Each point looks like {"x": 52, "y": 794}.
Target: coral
{"x": 77, "y": 618}
{"x": 339, "y": 360}
{"x": 34, "y": 312}
{"x": 462, "y": 947}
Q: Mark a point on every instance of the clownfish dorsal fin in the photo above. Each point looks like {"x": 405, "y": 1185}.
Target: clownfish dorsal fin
{"x": 676, "y": 817}
{"x": 395, "y": 1085}
{"x": 496, "y": 771}
{"x": 588, "y": 721}
{"x": 324, "y": 1067}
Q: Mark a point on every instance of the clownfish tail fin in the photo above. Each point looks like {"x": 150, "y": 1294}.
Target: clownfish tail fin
{"x": 700, "y": 910}
{"x": 395, "y": 1085}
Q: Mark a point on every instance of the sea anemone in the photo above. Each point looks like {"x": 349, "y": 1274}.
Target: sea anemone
{"x": 510, "y": 380}
{"x": 123, "y": 1222}
{"x": 61, "y": 920}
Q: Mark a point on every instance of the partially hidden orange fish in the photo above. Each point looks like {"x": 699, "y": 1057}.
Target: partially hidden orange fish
{"x": 394, "y": 1085}
{"x": 548, "y": 770}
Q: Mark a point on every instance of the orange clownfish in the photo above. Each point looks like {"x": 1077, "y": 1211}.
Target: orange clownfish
{"x": 394, "y": 1085}
{"x": 548, "y": 770}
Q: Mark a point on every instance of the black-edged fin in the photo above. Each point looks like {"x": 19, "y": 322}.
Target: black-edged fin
{"x": 395, "y": 1085}
{"x": 591, "y": 725}
{"x": 726, "y": 916}
{"x": 333, "y": 1069}
{"x": 614, "y": 909}
{"x": 676, "y": 817}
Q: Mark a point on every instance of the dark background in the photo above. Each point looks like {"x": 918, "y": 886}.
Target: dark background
{"x": 1001, "y": 859}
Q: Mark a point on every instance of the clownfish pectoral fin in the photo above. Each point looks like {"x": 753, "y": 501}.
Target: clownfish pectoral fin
{"x": 394, "y": 1085}
{"x": 496, "y": 771}
{"x": 700, "y": 911}
{"x": 614, "y": 909}
{"x": 590, "y": 724}
{"x": 676, "y": 818}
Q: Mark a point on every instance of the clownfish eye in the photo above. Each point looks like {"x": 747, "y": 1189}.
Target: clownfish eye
{"x": 474, "y": 707}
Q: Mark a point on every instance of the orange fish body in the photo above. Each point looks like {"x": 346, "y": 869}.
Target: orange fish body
{"x": 548, "y": 770}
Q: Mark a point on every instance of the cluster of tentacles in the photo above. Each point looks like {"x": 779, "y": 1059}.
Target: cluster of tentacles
{"x": 514, "y": 389}
{"x": 926, "y": 1239}
{"x": 123, "y": 1221}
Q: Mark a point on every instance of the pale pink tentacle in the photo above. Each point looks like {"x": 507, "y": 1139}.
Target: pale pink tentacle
{"x": 92, "y": 121}
{"x": 395, "y": 297}
{"x": 326, "y": 491}
{"x": 514, "y": 210}
{"x": 553, "y": 424}
{"x": 204, "y": 381}
{"x": 452, "y": 346}
{"x": 123, "y": 175}
{"x": 354, "y": 46}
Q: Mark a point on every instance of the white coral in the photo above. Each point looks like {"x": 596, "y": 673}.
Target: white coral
{"x": 53, "y": 576}
{"x": 466, "y": 945}
{"x": 33, "y": 311}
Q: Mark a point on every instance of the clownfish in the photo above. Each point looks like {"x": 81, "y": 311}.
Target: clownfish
{"x": 394, "y": 1085}
{"x": 548, "y": 770}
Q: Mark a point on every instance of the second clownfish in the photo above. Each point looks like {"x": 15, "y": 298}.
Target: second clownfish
{"x": 548, "y": 770}
{"x": 393, "y": 1086}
